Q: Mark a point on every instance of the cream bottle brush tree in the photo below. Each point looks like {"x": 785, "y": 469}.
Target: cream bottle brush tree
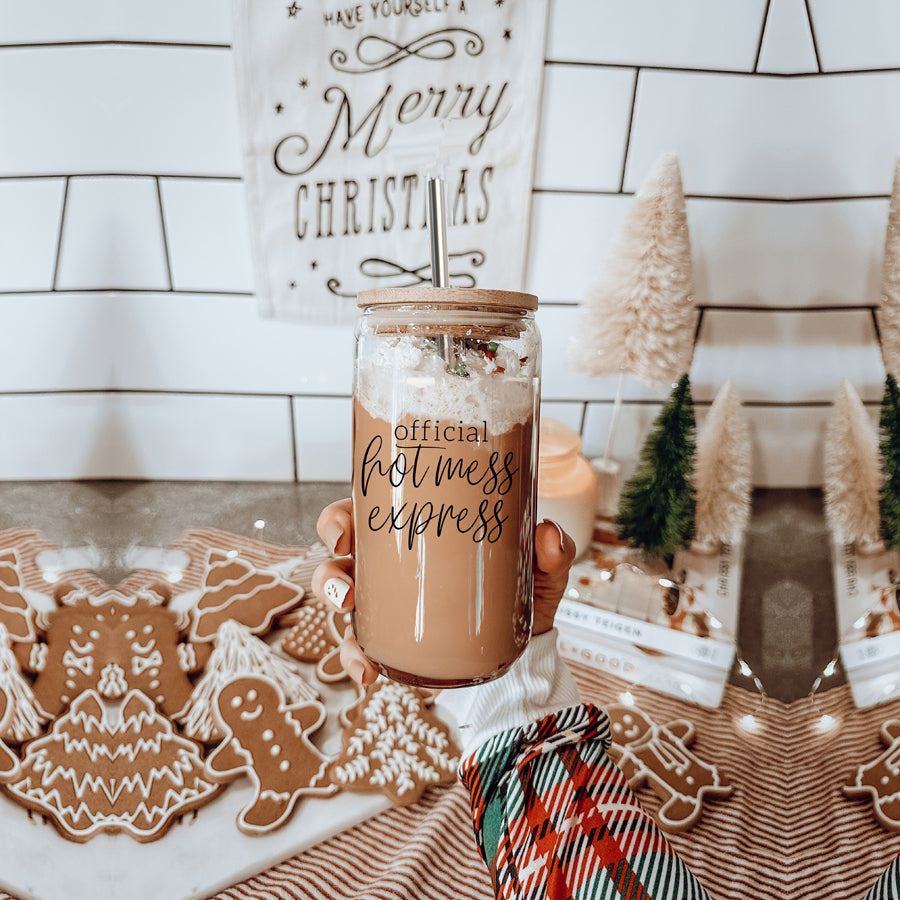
{"x": 852, "y": 467}
{"x": 722, "y": 472}
{"x": 639, "y": 317}
{"x": 889, "y": 309}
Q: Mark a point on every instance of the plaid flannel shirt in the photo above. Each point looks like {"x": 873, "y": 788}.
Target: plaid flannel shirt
{"x": 555, "y": 818}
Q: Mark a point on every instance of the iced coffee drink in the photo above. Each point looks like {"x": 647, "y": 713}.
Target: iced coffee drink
{"x": 445, "y": 409}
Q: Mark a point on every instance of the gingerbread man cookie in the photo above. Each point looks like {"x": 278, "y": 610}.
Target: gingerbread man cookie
{"x": 393, "y": 744}
{"x": 658, "y": 755}
{"x": 315, "y": 638}
{"x": 268, "y": 740}
{"x": 880, "y": 779}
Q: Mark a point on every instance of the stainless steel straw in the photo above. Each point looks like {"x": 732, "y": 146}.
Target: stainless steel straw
{"x": 440, "y": 261}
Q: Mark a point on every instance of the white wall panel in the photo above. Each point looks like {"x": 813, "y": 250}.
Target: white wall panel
{"x": 787, "y": 45}
{"x": 200, "y": 21}
{"x": 56, "y": 436}
{"x": 570, "y": 237}
{"x": 55, "y": 342}
{"x": 858, "y": 35}
{"x": 787, "y": 357}
{"x": 208, "y": 236}
{"x": 769, "y": 137}
{"x": 323, "y": 431}
{"x": 733, "y": 134}
{"x": 100, "y": 109}
{"x": 778, "y": 254}
{"x": 582, "y": 145}
{"x": 699, "y": 34}
{"x": 165, "y": 342}
{"x": 29, "y": 231}
{"x": 198, "y": 437}
{"x": 112, "y": 236}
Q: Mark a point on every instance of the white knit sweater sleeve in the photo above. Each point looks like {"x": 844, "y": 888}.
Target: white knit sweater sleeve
{"x": 537, "y": 684}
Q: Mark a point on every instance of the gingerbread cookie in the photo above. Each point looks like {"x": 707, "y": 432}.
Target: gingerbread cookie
{"x": 658, "y": 755}
{"x": 111, "y": 643}
{"x": 268, "y": 740}
{"x": 22, "y": 717}
{"x": 238, "y": 653}
{"x": 9, "y": 762}
{"x": 393, "y": 744}
{"x": 880, "y": 779}
{"x": 15, "y": 612}
{"x": 315, "y": 637}
{"x": 234, "y": 589}
{"x": 98, "y": 773}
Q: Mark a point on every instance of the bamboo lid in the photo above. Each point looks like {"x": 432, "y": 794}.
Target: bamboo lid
{"x": 426, "y": 295}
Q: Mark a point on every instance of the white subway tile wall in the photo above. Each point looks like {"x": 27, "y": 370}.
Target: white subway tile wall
{"x": 134, "y": 345}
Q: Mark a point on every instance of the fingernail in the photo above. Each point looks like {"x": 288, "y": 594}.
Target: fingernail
{"x": 336, "y": 591}
{"x": 332, "y": 535}
{"x": 357, "y": 671}
{"x": 562, "y": 534}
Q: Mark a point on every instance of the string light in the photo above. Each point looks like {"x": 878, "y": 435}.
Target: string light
{"x": 627, "y": 698}
{"x": 748, "y": 722}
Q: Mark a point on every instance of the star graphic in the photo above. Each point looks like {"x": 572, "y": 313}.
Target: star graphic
{"x": 279, "y": 109}
{"x": 293, "y": 9}
{"x": 292, "y": 285}
{"x": 507, "y": 35}
{"x": 304, "y": 83}
{"x": 314, "y": 264}
{"x": 498, "y": 2}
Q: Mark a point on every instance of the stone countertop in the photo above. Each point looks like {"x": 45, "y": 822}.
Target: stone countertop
{"x": 787, "y": 631}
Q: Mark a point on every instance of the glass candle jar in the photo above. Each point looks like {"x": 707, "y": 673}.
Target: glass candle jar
{"x": 445, "y": 428}
{"x": 567, "y": 485}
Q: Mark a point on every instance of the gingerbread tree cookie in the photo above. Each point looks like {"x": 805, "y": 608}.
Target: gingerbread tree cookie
{"x": 658, "y": 755}
{"x": 879, "y": 780}
{"x": 9, "y": 762}
{"x": 237, "y": 653}
{"x": 393, "y": 744}
{"x": 92, "y": 773}
{"x": 15, "y": 612}
{"x": 315, "y": 637}
{"x": 23, "y": 717}
{"x": 268, "y": 740}
{"x": 235, "y": 589}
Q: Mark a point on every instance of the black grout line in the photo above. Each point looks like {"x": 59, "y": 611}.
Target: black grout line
{"x": 294, "y": 452}
{"x": 194, "y": 177}
{"x": 822, "y": 73}
{"x": 56, "y": 45}
{"x": 849, "y": 307}
{"x": 728, "y": 198}
{"x": 598, "y": 401}
{"x": 165, "y": 236}
{"x": 59, "y": 236}
{"x": 875, "y": 323}
{"x": 129, "y": 290}
{"x": 762, "y": 35}
{"x": 699, "y": 324}
{"x": 634, "y": 90}
{"x": 812, "y": 34}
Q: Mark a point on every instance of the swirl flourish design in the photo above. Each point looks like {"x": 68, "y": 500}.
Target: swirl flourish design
{"x": 383, "y": 269}
{"x": 375, "y": 52}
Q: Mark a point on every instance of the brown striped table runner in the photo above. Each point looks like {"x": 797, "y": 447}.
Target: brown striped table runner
{"x": 786, "y": 832}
